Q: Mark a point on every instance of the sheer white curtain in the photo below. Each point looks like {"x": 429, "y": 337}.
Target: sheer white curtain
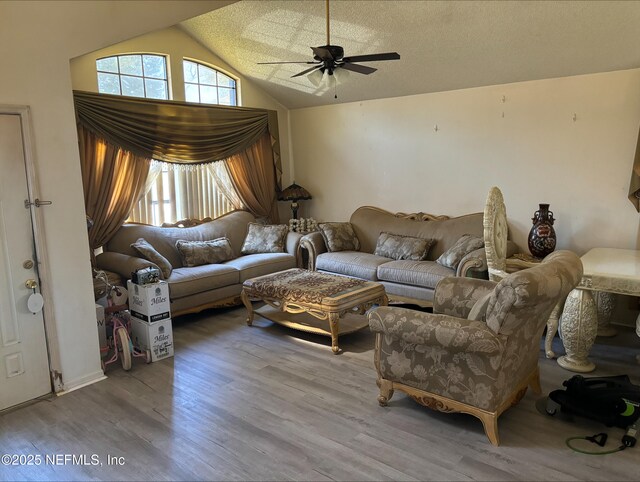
{"x": 220, "y": 174}
{"x": 175, "y": 192}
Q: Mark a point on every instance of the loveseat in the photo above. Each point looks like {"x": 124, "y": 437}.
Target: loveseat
{"x": 194, "y": 288}
{"x": 405, "y": 280}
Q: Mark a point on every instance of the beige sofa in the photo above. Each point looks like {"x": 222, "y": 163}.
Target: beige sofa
{"x": 404, "y": 280}
{"x": 192, "y": 289}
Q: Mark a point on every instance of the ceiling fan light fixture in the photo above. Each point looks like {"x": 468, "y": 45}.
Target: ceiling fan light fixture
{"x": 329, "y": 59}
{"x": 316, "y": 77}
{"x": 341, "y": 76}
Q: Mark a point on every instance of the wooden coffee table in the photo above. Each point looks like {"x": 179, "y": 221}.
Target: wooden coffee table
{"x": 305, "y": 300}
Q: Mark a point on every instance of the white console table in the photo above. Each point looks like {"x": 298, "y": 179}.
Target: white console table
{"x": 587, "y": 311}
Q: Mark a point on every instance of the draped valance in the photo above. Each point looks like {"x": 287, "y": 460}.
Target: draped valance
{"x": 172, "y": 131}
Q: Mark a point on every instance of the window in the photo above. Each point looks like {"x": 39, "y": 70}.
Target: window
{"x": 174, "y": 192}
{"x": 134, "y": 75}
{"x": 177, "y": 192}
{"x": 205, "y": 85}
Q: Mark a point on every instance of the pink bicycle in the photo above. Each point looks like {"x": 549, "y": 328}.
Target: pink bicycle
{"x": 118, "y": 323}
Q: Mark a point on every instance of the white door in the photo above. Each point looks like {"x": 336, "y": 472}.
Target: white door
{"x": 24, "y": 365}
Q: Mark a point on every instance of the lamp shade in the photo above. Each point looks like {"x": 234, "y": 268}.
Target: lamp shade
{"x": 294, "y": 193}
{"x": 316, "y": 77}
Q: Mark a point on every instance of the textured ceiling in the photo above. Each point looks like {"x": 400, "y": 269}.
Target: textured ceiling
{"x": 444, "y": 45}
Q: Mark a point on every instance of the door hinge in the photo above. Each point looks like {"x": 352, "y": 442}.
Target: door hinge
{"x": 37, "y": 203}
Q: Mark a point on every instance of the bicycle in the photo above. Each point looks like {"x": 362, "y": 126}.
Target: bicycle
{"x": 118, "y": 323}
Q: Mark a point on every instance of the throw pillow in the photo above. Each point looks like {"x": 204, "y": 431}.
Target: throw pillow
{"x": 148, "y": 252}
{"x": 197, "y": 253}
{"x": 452, "y": 256}
{"x": 339, "y": 237}
{"x": 265, "y": 238}
{"x": 397, "y": 246}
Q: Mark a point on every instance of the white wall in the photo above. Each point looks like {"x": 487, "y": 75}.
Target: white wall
{"x": 37, "y": 40}
{"x": 386, "y": 153}
{"x": 176, "y": 44}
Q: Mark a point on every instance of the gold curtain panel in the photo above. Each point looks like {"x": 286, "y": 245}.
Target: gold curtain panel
{"x": 172, "y": 131}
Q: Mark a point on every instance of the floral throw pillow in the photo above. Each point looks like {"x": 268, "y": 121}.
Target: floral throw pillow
{"x": 339, "y": 237}
{"x": 451, "y": 257}
{"x": 197, "y": 253}
{"x": 265, "y": 238}
{"x": 397, "y": 246}
{"x": 148, "y": 252}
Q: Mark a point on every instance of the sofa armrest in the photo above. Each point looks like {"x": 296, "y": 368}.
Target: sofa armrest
{"x": 314, "y": 244}
{"x": 453, "y": 334}
{"x": 292, "y": 245}
{"x": 456, "y": 296}
{"x": 122, "y": 264}
{"x": 475, "y": 260}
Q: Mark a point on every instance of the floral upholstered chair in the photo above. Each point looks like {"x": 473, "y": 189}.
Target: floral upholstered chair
{"x": 478, "y": 352}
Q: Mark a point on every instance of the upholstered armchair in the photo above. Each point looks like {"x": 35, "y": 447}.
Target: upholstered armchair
{"x": 500, "y": 261}
{"x": 478, "y": 352}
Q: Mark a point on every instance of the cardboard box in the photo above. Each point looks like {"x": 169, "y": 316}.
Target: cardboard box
{"x": 149, "y": 302}
{"x": 102, "y": 329}
{"x": 156, "y": 337}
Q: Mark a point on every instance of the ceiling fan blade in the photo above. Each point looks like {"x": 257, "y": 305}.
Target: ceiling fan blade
{"x": 292, "y": 62}
{"x": 307, "y": 71}
{"x": 361, "y": 69}
{"x": 373, "y": 57}
{"x": 322, "y": 53}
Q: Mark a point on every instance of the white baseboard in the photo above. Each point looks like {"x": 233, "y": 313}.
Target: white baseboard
{"x": 82, "y": 382}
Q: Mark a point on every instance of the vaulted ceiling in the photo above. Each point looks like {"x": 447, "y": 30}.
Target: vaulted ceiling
{"x": 444, "y": 45}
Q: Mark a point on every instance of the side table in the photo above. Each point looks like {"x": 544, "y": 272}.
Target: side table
{"x": 607, "y": 271}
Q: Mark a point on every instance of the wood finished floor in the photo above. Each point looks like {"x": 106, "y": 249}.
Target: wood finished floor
{"x": 269, "y": 403}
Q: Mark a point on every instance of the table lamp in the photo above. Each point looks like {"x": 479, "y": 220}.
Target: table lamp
{"x": 294, "y": 193}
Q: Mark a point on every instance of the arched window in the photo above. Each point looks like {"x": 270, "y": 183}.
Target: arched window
{"x": 134, "y": 75}
{"x": 174, "y": 192}
{"x": 205, "y": 85}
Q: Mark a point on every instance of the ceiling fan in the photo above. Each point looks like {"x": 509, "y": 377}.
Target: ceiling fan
{"x": 328, "y": 58}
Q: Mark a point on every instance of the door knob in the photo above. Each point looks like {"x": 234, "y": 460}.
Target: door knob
{"x": 31, "y": 284}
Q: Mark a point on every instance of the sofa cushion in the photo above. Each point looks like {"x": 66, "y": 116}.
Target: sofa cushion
{"x": 398, "y": 246}
{"x": 252, "y": 265}
{"x": 196, "y": 279}
{"x": 416, "y": 273}
{"x": 395, "y": 290}
{"x": 265, "y": 238}
{"x": 351, "y": 263}
{"x": 196, "y": 253}
{"x": 339, "y": 237}
{"x": 148, "y": 252}
{"x": 466, "y": 244}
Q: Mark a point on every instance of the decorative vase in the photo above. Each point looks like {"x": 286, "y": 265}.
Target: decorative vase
{"x": 542, "y": 237}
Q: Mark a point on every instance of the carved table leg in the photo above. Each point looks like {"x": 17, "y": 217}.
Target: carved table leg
{"x": 605, "y": 303}
{"x": 552, "y": 329}
{"x": 247, "y": 303}
{"x": 333, "y": 324}
{"x": 579, "y": 326}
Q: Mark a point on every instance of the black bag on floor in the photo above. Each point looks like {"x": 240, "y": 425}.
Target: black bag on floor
{"x": 614, "y": 401}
